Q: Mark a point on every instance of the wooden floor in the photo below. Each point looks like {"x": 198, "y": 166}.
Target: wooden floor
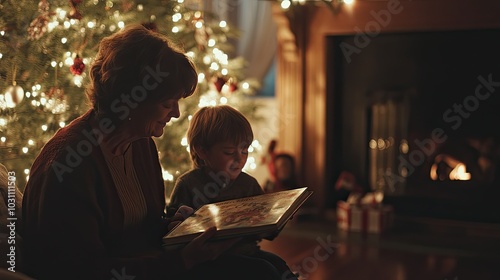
{"x": 321, "y": 252}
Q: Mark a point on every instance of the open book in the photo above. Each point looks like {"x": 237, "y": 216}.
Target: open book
{"x": 261, "y": 216}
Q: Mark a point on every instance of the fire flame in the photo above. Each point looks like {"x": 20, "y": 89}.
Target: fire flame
{"x": 458, "y": 169}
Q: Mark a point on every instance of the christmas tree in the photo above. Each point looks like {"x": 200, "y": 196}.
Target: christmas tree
{"x": 45, "y": 48}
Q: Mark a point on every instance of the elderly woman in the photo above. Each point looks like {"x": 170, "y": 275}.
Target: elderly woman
{"x": 94, "y": 205}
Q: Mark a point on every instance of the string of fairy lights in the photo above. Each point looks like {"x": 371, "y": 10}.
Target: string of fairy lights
{"x": 218, "y": 81}
{"x": 334, "y": 4}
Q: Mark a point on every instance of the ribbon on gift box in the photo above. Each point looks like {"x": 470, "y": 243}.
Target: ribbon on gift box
{"x": 364, "y": 218}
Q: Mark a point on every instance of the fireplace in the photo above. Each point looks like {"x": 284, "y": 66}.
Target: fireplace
{"x": 416, "y": 115}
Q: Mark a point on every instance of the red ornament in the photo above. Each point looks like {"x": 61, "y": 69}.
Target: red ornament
{"x": 219, "y": 83}
{"x": 78, "y": 66}
{"x": 233, "y": 85}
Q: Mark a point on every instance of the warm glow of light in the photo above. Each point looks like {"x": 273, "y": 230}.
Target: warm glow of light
{"x": 176, "y": 17}
{"x": 184, "y": 141}
{"x": 140, "y": 7}
{"x": 90, "y": 24}
{"x": 26, "y": 171}
{"x": 224, "y": 71}
{"x": 285, "y": 4}
{"x": 404, "y": 147}
{"x": 61, "y": 13}
{"x": 44, "y": 127}
{"x": 31, "y": 142}
{"x": 225, "y": 89}
{"x": 121, "y": 24}
{"x": 214, "y": 210}
{"x": 201, "y": 77}
{"x": 207, "y": 59}
{"x": 404, "y": 172}
{"x": 245, "y": 85}
{"x": 372, "y": 144}
{"x": 175, "y": 29}
{"x": 167, "y": 176}
{"x": 220, "y": 56}
{"x": 68, "y": 61}
{"x": 51, "y": 25}
{"x": 460, "y": 173}
{"x": 256, "y": 144}
{"x": 77, "y": 80}
{"x": 53, "y": 64}
{"x": 3, "y": 139}
{"x": 64, "y": 40}
{"x": 223, "y": 100}
{"x": 198, "y": 24}
{"x": 222, "y": 24}
{"x": 349, "y": 2}
{"x": 62, "y": 124}
{"x": 381, "y": 144}
{"x": 3, "y": 122}
{"x": 25, "y": 150}
{"x": 211, "y": 42}
{"x": 434, "y": 174}
{"x": 214, "y": 66}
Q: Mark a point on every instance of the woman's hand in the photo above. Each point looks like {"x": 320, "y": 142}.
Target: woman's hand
{"x": 199, "y": 250}
{"x": 180, "y": 215}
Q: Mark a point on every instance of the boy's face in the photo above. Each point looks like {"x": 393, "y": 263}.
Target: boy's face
{"x": 226, "y": 157}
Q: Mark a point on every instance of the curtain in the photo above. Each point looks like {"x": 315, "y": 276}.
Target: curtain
{"x": 257, "y": 43}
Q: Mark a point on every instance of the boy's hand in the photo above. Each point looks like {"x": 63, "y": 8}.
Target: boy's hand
{"x": 180, "y": 215}
{"x": 199, "y": 250}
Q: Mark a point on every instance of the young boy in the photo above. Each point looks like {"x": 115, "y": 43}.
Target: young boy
{"x": 218, "y": 139}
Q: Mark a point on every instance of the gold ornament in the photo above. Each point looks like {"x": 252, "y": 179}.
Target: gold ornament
{"x": 13, "y": 95}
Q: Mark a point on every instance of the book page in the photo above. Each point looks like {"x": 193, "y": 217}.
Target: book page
{"x": 246, "y": 212}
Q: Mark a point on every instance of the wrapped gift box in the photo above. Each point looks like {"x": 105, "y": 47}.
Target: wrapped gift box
{"x": 364, "y": 218}
{"x": 380, "y": 218}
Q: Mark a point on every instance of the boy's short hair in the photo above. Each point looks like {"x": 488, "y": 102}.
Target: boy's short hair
{"x": 211, "y": 125}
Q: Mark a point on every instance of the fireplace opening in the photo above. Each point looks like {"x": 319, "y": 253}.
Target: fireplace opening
{"x": 416, "y": 115}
